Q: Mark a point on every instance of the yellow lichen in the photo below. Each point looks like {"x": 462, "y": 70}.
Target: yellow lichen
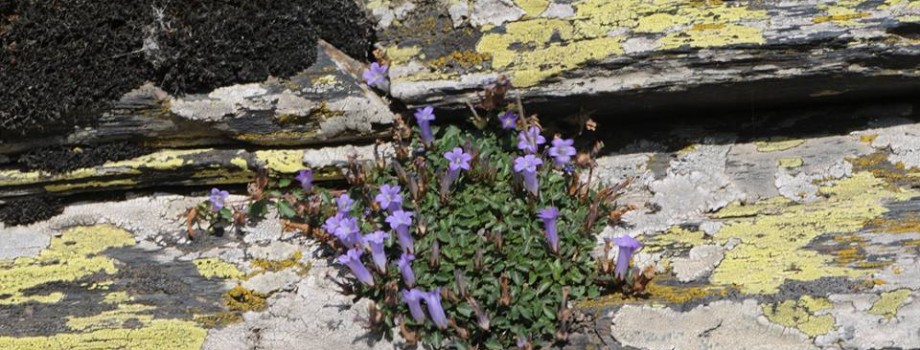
{"x": 279, "y": 138}
{"x": 91, "y": 184}
{"x": 800, "y": 314}
{"x": 658, "y": 292}
{"x": 842, "y": 12}
{"x": 325, "y": 79}
{"x": 532, "y": 8}
{"x": 868, "y": 138}
{"x": 112, "y": 318}
{"x": 400, "y": 55}
{"x": 534, "y": 59}
{"x": 263, "y": 265}
{"x": 73, "y": 255}
{"x": 790, "y": 162}
{"x": 776, "y": 144}
{"x": 240, "y": 162}
{"x": 722, "y": 36}
{"x": 160, "y": 160}
{"x": 219, "y": 319}
{"x": 156, "y": 334}
{"x": 774, "y": 234}
{"x": 676, "y": 238}
{"x": 214, "y": 267}
{"x": 897, "y": 175}
{"x": 116, "y": 298}
{"x": 461, "y": 59}
{"x": 282, "y": 161}
{"x": 890, "y": 302}
{"x": 242, "y": 299}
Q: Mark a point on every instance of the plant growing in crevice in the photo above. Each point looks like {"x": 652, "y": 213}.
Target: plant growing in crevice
{"x": 473, "y": 238}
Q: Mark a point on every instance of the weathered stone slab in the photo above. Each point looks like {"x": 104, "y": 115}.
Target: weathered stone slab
{"x": 644, "y": 55}
{"x": 325, "y": 103}
{"x": 748, "y": 265}
{"x": 184, "y": 167}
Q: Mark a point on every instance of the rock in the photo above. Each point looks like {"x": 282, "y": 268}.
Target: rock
{"x": 635, "y": 56}
{"x": 327, "y": 102}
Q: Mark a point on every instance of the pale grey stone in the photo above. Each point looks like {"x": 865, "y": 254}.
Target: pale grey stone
{"x": 495, "y": 12}
{"x": 720, "y": 325}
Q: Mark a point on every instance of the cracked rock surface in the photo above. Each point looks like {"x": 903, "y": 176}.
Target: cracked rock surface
{"x": 745, "y": 258}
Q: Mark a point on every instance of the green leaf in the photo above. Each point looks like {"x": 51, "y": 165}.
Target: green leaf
{"x": 226, "y": 214}
{"x": 492, "y": 343}
{"x": 284, "y": 183}
{"x": 284, "y": 208}
{"x": 258, "y": 209}
{"x": 465, "y": 310}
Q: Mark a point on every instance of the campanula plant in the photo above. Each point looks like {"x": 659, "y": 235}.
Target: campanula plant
{"x": 470, "y": 238}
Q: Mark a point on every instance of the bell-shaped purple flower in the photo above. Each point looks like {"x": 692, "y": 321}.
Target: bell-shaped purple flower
{"x": 345, "y": 228}
{"x": 413, "y": 298}
{"x": 305, "y": 176}
{"x": 627, "y": 246}
{"x": 530, "y": 140}
{"x": 508, "y": 120}
{"x": 375, "y": 242}
{"x": 424, "y": 117}
{"x": 344, "y": 202}
{"x": 376, "y": 75}
{"x": 527, "y": 167}
{"x": 457, "y": 160}
{"x": 352, "y": 259}
{"x": 218, "y": 199}
{"x": 389, "y": 198}
{"x": 562, "y": 151}
{"x": 549, "y": 216}
{"x": 405, "y": 268}
{"x": 522, "y": 342}
{"x": 400, "y": 221}
{"x": 435, "y": 310}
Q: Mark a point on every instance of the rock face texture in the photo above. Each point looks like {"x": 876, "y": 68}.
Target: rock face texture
{"x": 775, "y": 191}
{"x": 646, "y": 55}
{"x": 743, "y": 263}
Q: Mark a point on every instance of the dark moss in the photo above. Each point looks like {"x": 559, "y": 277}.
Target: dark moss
{"x": 64, "y": 159}
{"x": 201, "y": 45}
{"x": 62, "y": 62}
{"x": 24, "y": 211}
{"x": 345, "y": 25}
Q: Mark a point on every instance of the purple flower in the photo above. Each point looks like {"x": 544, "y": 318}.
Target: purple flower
{"x": 218, "y": 199}
{"x": 413, "y": 298}
{"x": 305, "y": 177}
{"x": 352, "y": 259}
{"x": 375, "y": 242}
{"x": 549, "y": 216}
{"x": 405, "y": 268}
{"x": 433, "y": 300}
{"x": 508, "y": 120}
{"x": 389, "y": 197}
{"x": 376, "y": 75}
{"x": 344, "y": 203}
{"x": 424, "y": 117}
{"x": 522, "y": 342}
{"x": 458, "y": 159}
{"x": 562, "y": 151}
{"x": 527, "y": 166}
{"x": 344, "y": 228}
{"x": 400, "y": 221}
{"x": 627, "y": 246}
{"x": 530, "y": 140}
